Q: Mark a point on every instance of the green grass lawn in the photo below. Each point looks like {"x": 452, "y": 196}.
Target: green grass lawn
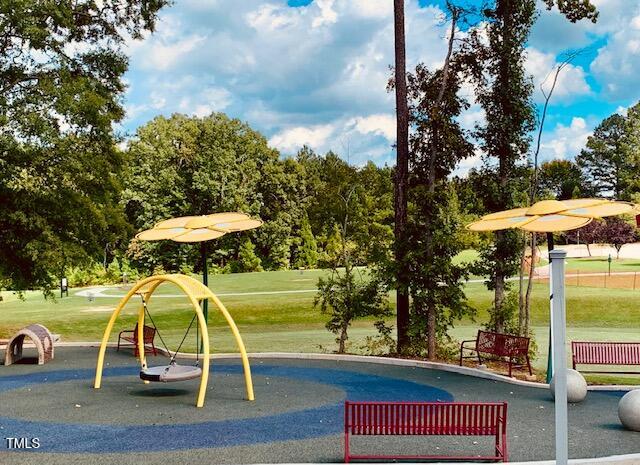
{"x": 289, "y": 322}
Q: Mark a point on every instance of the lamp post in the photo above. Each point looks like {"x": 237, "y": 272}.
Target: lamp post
{"x": 558, "y": 325}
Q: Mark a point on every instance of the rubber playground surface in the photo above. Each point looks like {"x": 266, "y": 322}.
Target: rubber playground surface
{"x": 297, "y": 415}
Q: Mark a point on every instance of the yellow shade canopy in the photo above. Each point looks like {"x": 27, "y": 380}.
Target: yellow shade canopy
{"x": 199, "y": 228}
{"x": 552, "y": 215}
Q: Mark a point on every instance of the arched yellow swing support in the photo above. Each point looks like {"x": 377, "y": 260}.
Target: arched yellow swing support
{"x": 196, "y": 292}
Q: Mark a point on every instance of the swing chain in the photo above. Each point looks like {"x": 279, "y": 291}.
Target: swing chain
{"x": 173, "y": 358}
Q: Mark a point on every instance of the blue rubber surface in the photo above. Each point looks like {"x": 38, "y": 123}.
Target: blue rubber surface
{"x": 320, "y": 421}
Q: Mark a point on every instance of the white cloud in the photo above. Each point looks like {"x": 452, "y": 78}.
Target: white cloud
{"x": 474, "y": 161}
{"x": 327, "y": 14}
{"x": 622, "y": 110}
{"x": 382, "y": 124}
{"x": 163, "y": 56}
{"x": 292, "y": 139}
{"x": 378, "y": 9}
{"x": 565, "y": 141}
{"x": 542, "y": 66}
{"x": 617, "y": 64}
{"x": 271, "y": 17}
{"x": 291, "y": 72}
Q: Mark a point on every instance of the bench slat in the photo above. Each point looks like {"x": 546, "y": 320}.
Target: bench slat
{"x": 606, "y": 353}
{"x": 427, "y": 418}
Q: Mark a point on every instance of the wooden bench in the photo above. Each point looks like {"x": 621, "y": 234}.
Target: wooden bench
{"x": 605, "y": 353}
{"x": 500, "y": 345}
{"x": 149, "y": 335}
{"x": 426, "y": 419}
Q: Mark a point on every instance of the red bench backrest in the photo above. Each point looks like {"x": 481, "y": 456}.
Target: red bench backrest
{"x": 595, "y": 353}
{"x": 148, "y": 333}
{"x": 425, "y": 418}
{"x": 502, "y": 344}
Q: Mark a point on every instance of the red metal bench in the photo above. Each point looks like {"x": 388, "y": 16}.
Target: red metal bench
{"x": 605, "y": 353}
{"x": 149, "y": 335}
{"x": 500, "y": 345}
{"x": 426, "y": 419}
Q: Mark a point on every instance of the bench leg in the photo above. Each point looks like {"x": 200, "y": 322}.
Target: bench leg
{"x": 529, "y": 366}
{"x": 510, "y": 366}
{"x": 346, "y": 447}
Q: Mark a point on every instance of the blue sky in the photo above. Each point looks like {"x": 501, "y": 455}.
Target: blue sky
{"x": 315, "y": 72}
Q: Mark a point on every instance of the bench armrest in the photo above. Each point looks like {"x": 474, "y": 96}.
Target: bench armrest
{"x": 125, "y": 331}
{"x": 469, "y": 340}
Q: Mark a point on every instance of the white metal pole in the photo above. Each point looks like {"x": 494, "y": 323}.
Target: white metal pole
{"x": 559, "y": 326}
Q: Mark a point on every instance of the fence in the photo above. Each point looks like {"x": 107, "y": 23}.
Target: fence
{"x": 618, "y": 280}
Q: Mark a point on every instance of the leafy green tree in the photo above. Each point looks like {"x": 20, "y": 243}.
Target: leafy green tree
{"x": 562, "y": 180}
{"x": 307, "y": 251}
{"x": 347, "y": 294}
{"x": 247, "y": 261}
{"x": 603, "y": 160}
{"x": 329, "y": 179}
{"x": 503, "y": 89}
{"x": 631, "y": 148}
{"x": 61, "y": 69}
{"x": 437, "y": 145}
{"x": 181, "y": 166}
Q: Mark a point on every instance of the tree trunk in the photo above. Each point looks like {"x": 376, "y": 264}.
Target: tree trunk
{"x": 523, "y": 264}
{"x": 431, "y": 333}
{"x": 343, "y": 339}
{"x": 500, "y": 288}
{"x": 401, "y": 177}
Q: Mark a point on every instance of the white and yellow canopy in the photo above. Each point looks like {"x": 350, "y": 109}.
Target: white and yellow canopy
{"x": 553, "y": 215}
{"x": 199, "y": 228}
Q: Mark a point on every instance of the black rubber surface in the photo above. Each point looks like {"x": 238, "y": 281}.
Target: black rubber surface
{"x": 296, "y": 416}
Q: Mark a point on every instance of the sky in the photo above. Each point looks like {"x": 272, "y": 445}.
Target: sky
{"x": 314, "y": 72}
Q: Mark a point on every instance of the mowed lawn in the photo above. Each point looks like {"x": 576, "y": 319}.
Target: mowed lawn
{"x": 275, "y": 312}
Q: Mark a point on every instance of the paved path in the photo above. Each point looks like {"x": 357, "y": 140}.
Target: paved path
{"x": 100, "y": 292}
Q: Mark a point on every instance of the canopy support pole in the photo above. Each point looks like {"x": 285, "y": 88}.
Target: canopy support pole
{"x": 205, "y": 281}
{"x": 559, "y": 325}
{"x": 550, "y": 247}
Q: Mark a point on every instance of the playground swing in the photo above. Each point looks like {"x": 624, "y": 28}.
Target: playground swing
{"x": 196, "y": 292}
{"x": 173, "y": 371}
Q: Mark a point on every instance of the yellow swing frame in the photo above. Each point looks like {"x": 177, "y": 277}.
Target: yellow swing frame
{"x": 196, "y": 292}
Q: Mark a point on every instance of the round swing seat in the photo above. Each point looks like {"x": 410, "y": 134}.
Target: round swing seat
{"x": 170, "y": 373}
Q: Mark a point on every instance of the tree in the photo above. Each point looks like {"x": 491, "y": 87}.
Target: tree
{"x": 603, "y": 160}
{"x": 437, "y": 145}
{"x": 307, "y": 252}
{"x": 346, "y": 294}
{"x": 504, "y": 91}
{"x": 61, "y": 69}
{"x": 592, "y": 233}
{"x": 247, "y": 261}
{"x": 617, "y": 232}
{"x": 631, "y": 149}
{"x": 562, "y": 179}
{"x": 182, "y": 165}
{"x": 401, "y": 178}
